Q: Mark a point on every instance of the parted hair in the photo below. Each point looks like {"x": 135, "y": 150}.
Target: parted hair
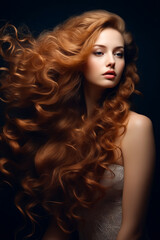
{"x": 49, "y": 148}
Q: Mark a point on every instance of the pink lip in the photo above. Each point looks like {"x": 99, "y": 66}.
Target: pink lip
{"x": 109, "y": 74}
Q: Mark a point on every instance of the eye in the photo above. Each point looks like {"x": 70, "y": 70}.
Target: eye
{"x": 119, "y": 54}
{"x": 98, "y": 53}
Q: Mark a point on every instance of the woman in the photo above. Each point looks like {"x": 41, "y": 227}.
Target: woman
{"x": 70, "y": 135}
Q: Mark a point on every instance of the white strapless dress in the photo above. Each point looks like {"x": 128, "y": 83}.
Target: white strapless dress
{"x": 104, "y": 220}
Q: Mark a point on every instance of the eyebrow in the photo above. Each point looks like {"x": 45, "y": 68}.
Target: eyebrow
{"x": 103, "y": 46}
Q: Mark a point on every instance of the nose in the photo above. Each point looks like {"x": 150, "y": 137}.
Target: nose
{"x": 110, "y": 61}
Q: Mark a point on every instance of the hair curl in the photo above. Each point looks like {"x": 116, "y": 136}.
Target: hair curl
{"x": 56, "y": 155}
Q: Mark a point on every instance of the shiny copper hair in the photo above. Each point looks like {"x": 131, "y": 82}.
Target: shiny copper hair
{"x": 55, "y": 154}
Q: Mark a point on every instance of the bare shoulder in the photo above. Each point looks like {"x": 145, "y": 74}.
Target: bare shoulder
{"x": 138, "y": 141}
{"x": 138, "y": 122}
{"x": 138, "y": 138}
{"x": 139, "y": 131}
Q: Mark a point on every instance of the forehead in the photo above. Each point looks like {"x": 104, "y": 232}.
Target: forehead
{"x": 111, "y": 37}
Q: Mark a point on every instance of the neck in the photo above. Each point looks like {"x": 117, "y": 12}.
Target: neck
{"x": 92, "y": 96}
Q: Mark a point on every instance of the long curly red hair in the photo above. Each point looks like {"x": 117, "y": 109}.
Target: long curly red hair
{"x": 49, "y": 147}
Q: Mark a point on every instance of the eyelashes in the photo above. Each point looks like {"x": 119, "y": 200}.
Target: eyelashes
{"x": 118, "y": 54}
{"x": 98, "y": 53}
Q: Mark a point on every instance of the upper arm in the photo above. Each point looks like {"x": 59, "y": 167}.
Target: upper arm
{"x": 138, "y": 153}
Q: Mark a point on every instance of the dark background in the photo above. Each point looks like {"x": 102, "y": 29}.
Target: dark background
{"x": 142, "y": 19}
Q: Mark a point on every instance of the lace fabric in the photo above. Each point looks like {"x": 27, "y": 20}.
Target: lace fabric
{"x": 104, "y": 220}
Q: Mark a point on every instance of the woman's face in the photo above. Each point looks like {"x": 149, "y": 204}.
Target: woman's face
{"x": 105, "y": 64}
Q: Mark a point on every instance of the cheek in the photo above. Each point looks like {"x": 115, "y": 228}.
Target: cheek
{"x": 92, "y": 63}
{"x": 121, "y": 67}
{"x": 90, "y": 67}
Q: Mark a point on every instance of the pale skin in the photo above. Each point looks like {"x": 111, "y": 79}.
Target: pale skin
{"x": 137, "y": 144}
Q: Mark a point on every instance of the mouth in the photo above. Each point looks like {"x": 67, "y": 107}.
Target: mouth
{"x": 109, "y": 74}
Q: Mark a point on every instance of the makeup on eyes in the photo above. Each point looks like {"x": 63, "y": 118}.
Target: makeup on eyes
{"x": 100, "y": 50}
